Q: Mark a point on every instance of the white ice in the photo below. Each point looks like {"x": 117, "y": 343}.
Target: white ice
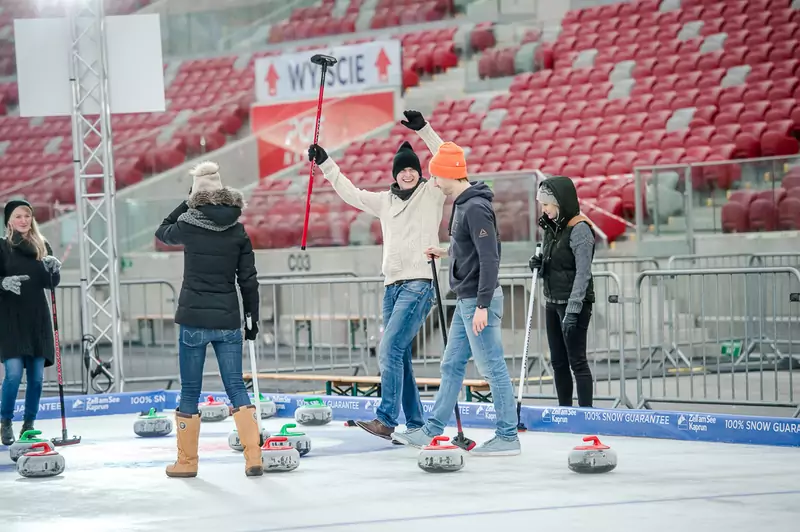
{"x": 352, "y": 481}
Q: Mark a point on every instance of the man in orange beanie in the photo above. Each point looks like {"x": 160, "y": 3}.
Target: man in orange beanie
{"x": 475, "y": 330}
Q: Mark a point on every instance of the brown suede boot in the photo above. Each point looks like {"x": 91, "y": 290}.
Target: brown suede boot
{"x": 376, "y": 428}
{"x": 188, "y": 428}
{"x": 249, "y": 436}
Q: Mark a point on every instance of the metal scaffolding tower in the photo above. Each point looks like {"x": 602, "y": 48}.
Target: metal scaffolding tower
{"x": 95, "y": 189}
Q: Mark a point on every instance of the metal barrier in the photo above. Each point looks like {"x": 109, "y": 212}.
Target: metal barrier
{"x": 150, "y": 340}
{"x": 725, "y": 336}
{"x": 320, "y": 323}
{"x": 734, "y": 260}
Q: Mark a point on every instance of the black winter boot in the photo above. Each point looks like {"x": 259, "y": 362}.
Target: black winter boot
{"x": 6, "y": 432}
{"x": 26, "y": 426}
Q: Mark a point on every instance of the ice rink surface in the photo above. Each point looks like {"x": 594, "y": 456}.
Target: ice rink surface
{"x": 352, "y": 481}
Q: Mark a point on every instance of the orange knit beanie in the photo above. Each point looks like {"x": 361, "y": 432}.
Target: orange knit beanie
{"x": 449, "y": 162}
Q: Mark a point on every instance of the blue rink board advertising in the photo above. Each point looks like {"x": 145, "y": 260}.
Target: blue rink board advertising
{"x": 637, "y": 423}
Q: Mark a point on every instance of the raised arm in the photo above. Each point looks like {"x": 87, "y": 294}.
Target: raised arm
{"x": 364, "y": 200}
{"x": 415, "y": 121}
{"x": 168, "y": 231}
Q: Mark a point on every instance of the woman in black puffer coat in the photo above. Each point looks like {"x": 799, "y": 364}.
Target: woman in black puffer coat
{"x": 217, "y": 254}
{"x": 27, "y": 269}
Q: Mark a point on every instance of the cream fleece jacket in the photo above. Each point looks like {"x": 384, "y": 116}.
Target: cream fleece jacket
{"x": 409, "y": 227}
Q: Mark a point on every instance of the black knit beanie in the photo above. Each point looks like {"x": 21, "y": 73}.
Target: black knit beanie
{"x": 11, "y": 205}
{"x": 405, "y": 158}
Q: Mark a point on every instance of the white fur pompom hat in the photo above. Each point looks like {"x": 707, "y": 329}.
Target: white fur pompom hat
{"x": 206, "y": 177}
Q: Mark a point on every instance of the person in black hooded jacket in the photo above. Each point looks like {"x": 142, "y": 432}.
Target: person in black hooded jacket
{"x": 565, "y": 267}
{"x": 217, "y": 254}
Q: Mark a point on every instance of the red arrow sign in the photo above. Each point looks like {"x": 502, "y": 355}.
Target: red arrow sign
{"x": 272, "y": 80}
{"x": 382, "y": 64}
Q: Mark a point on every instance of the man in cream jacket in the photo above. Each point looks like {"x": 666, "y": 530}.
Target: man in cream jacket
{"x": 410, "y": 213}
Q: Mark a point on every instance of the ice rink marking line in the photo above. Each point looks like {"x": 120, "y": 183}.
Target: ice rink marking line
{"x": 528, "y": 510}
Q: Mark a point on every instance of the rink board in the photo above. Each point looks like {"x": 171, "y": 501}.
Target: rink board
{"x": 719, "y": 428}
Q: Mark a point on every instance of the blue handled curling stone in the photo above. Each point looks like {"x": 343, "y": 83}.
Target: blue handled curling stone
{"x": 24, "y": 444}
{"x": 40, "y": 461}
{"x": 438, "y": 458}
{"x": 313, "y": 412}
{"x": 152, "y": 425}
{"x": 268, "y": 406}
{"x": 213, "y": 411}
{"x": 278, "y": 455}
{"x": 594, "y": 458}
{"x": 236, "y": 445}
{"x": 298, "y": 440}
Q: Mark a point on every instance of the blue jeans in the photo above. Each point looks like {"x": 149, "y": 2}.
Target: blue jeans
{"x": 405, "y": 308}
{"x": 227, "y": 345}
{"x": 34, "y": 372}
{"x": 487, "y": 348}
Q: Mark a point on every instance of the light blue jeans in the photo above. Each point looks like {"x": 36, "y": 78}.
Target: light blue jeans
{"x": 227, "y": 345}
{"x": 34, "y": 371}
{"x": 487, "y": 348}
{"x": 405, "y": 307}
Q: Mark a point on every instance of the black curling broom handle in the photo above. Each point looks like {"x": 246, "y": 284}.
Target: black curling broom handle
{"x": 58, "y": 358}
{"x": 440, "y": 304}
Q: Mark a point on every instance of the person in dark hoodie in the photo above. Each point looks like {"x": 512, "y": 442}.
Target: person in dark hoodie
{"x": 410, "y": 213}
{"x": 475, "y": 330}
{"x": 217, "y": 254}
{"x": 565, "y": 267}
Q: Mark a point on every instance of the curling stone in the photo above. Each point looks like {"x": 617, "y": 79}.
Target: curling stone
{"x": 236, "y": 445}
{"x": 313, "y": 412}
{"x": 267, "y": 406}
{"x": 152, "y": 425}
{"x": 298, "y": 440}
{"x": 40, "y": 461}
{"x": 438, "y": 458}
{"x": 24, "y": 444}
{"x": 278, "y": 455}
{"x": 213, "y": 411}
{"x": 595, "y": 458}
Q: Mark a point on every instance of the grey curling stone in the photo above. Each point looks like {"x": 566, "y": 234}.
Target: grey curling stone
{"x": 313, "y": 412}
{"x": 152, "y": 425}
{"x": 438, "y": 458}
{"x": 24, "y": 444}
{"x": 213, "y": 411}
{"x": 236, "y": 445}
{"x": 592, "y": 459}
{"x": 40, "y": 462}
{"x": 298, "y": 440}
{"x": 278, "y": 455}
{"x": 268, "y": 407}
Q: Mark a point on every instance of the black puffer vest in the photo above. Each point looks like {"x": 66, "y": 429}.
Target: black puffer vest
{"x": 558, "y": 274}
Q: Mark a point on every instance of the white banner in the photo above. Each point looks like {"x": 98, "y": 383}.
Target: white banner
{"x": 360, "y": 67}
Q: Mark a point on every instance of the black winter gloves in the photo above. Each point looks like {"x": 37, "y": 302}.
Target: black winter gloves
{"x": 414, "y": 120}
{"x": 535, "y": 263}
{"x": 250, "y": 334}
{"x": 569, "y": 323}
{"x": 317, "y": 154}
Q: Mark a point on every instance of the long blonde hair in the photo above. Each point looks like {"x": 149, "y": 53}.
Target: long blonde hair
{"x": 34, "y": 236}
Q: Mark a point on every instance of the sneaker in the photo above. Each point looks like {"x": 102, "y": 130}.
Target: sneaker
{"x": 376, "y": 428}
{"x": 497, "y": 447}
{"x": 414, "y": 438}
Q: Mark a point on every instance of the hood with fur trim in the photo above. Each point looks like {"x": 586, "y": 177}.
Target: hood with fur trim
{"x": 215, "y": 210}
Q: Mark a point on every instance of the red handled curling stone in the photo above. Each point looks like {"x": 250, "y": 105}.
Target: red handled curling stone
{"x": 41, "y": 461}
{"x": 278, "y": 455}
{"x": 212, "y": 411}
{"x": 595, "y": 458}
{"x": 438, "y": 458}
